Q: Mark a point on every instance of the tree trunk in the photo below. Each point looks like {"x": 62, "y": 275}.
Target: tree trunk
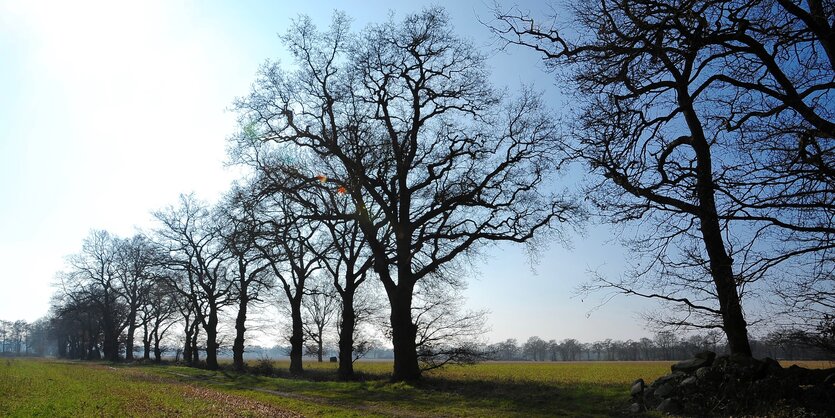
{"x": 211, "y": 340}
{"x": 320, "y": 346}
{"x": 733, "y": 320}
{"x": 240, "y": 328}
{"x": 721, "y": 270}
{"x": 130, "y": 337}
{"x": 110, "y": 345}
{"x": 195, "y": 349}
{"x": 297, "y": 338}
{"x": 187, "y": 350}
{"x": 404, "y": 333}
{"x": 721, "y": 265}
{"x": 146, "y": 342}
{"x": 188, "y": 347}
{"x": 346, "y": 337}
{"x": 157, "y": 350}
{"x": 62, "y": 347}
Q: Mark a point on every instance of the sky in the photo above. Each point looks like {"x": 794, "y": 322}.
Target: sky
{"x": 109, "y": 110}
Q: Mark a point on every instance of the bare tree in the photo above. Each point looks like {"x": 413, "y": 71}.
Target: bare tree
{"x": 446, "y": 332}
{"x": 402, "y": 120}
{"x": 189, "y": 306}
{"x": 569, "y": 349}
{"x": 643, "y": 130}
{"x": 38, "y": 338}
{"x": 192, "y": 236}
{"x": 505, "y": 350}
{"x": 711, "y": 122}
{"x": 160, "y": 310}
{"x": 77, "y": 322}
{"x": 241, "y": 234}
{"x": 19, "y": 334}
{"x": 348, "y": 261}
{"x": 665, "y": 341}
{"x": 289, "y": 243}
{"x": 5, "y": 328}
{"x": 92, "y": 280}
{"x": 135, "y": 259}
{"x": 535, "y": 348}
{"x": 319, "y": 309}
{"x": 777, "y": 78}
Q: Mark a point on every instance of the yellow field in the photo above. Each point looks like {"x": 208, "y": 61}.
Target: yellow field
{"x": 595, "y": 372}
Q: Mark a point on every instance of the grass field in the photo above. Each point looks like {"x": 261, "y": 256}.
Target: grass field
{"x": 63, "y": 389}
{"x": 31, "y": 387}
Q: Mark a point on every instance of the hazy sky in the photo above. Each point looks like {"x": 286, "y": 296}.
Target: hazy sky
{"x": 109, "y": 110}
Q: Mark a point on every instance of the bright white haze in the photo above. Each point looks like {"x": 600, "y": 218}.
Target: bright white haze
{"x": 109, "y": 110}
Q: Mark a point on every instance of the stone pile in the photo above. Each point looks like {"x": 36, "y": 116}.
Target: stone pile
{"x": 707, "y": 385}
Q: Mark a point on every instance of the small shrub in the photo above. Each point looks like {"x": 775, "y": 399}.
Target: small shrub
{"x": 264, "y": 367}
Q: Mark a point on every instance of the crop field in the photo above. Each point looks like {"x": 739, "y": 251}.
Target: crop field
{"x": 32, "y": 387}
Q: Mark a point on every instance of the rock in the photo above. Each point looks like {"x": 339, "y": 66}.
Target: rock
{"x": 738, "y": 386}
{"x": 772, "y": 365}
{"x": 669, "y": 406}
{"x": 795, "y": 368}
{"x": 766, "y": 367}
{"x": 637, "y": 387}
{"x": 701, "y": 359}
{"x": 676, "y": 375}
{"x": 666, "y": 389}
{"x": 706, "y": 355}
{"x": 649, "y": 393}
{"x": 688, "y": 386}
{"x": 635, "y": 408}
{"x": 690, "y": 366}
{"x": 745, "y": 368}
{"x": 745, "y": 361}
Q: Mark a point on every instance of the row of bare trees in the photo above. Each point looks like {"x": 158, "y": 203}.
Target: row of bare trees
{"x": 202, "y": 261}
{"x": 382, "y": 154}
{"x": 387, "y": 154}
{"x": 23, "y": 338}
{"x": 13, "y": 335}
{"x": 394, "y": 137}
{"x": 112, "y": 288}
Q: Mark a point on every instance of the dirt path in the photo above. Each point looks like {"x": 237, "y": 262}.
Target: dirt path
{"x": 300, "y": 397}
{"x": 231, "y": 405}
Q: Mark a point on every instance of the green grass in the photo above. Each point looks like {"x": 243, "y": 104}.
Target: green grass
{"x": 63, "y": 389}
{"x": 31, "y": 387}
{"x": 503, "y": 389}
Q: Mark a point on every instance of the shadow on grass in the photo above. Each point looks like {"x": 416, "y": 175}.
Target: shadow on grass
{"x": 431, "y": 396}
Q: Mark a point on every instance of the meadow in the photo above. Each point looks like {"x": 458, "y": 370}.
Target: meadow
{"x": 36, "y": 387}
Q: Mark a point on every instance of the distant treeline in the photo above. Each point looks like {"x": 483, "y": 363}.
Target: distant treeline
{"x": 24, "y": 338}
{"x": 38, "y": 338}
{"x": 666, "y": 345}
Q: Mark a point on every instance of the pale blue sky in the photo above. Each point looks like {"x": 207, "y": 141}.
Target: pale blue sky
{"x": 109, "y": 110}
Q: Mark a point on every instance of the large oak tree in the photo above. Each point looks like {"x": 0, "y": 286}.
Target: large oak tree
{"x": 402, "y": 120}
{"x": 709, "y": 121}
